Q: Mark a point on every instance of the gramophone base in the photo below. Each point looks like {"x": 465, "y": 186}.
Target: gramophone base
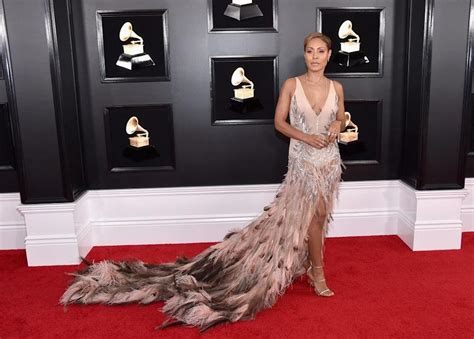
{"x": 243, "y": 12}
{"x": 345, "y": 59}
{"x": 140, "y": 153}
{"x": 348, "y": 140}
{"x": 132, "y": 62}
{"x": 245, "y": 105}
{"x": 139, "y": 141}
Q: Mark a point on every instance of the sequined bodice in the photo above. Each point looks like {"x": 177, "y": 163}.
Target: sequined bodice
{"x": 305, "y": 119}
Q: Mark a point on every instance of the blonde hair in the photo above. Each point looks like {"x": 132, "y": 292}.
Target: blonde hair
{"x": 317, "y": 35}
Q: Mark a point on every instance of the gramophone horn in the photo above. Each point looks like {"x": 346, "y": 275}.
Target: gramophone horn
{"x": 346, "y": 29}
{"x": 126, "y": 32}
{"x": 132, "y": 125}
{"x": 348, "y": 118}
{"x": 239, "y": 76}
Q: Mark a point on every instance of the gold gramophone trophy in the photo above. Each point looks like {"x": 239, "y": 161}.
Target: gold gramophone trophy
{"x": 133, "y": 55}
{"x": 351, "y": 131}
{"x": 139, "y": 148}
{"x": 140, "y": 139}
{"x": 242, "y": 10}
{"x": 244, "y": 97}
{"x": 350, "y": 54}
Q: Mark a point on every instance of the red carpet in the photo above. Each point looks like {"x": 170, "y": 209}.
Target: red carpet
{"x": 383, "y": 289}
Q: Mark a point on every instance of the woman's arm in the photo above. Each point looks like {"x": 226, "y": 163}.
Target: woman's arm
{"x": 341, "y": 115}
{"x": 281, "y": 114}
{"x": 338, "y": 125}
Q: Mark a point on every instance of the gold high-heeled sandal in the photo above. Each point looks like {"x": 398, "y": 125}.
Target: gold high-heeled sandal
{"x": 324, "y": 293}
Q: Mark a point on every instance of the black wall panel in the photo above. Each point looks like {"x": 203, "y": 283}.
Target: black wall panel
{"x": 436, "y": 121}
{"x": 8, "y": 174}
{"x": 38, "y": 153}
{"x": 41, "y": 91}
{"x": 218, "y": 155}
{"x": 446, "y": 97}
{"x": 418, "y": 78}
{"x": 7, "y": 159}
{"x": 63, "y": 73}
{"x": 8, "y": 180}
{"x": 469, "y": 98}
{"x": 415, "y": 110}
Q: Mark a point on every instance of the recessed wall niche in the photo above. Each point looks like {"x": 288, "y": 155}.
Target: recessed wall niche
{"x": 140, "y": 138}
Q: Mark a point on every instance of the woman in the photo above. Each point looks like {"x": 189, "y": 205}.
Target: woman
{"x": 317, "y": 117}
{"x": 250, "y": 268}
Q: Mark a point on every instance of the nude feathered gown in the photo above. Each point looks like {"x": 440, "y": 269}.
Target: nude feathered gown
{"x": 247, "y": 271}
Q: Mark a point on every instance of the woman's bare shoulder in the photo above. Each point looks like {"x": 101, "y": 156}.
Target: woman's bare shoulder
{"x": 338, "y": 86}
{"x": 289, "y": 86}
{"x": 290, "y": 83}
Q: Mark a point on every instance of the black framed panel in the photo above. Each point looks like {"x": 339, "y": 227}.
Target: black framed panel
{"x": 154, "y": 120}
{"x": 344, "y": 25}
{"x": 1, "y": 66}
{"x": 470, "y": 154}
{"x": 232, "y": 74}
{"x": 133, "y": 45}
{"x": 60, "y": 34}
{"x": 471, "y": 137}
{"x": 417, "y": 89}
{"x": 468, "y": 100}
{"x": 7, "y": 158}
{"x": 226, "y": 16}
{"x": 10, "y": 145}
{"x": 367, "y": 115}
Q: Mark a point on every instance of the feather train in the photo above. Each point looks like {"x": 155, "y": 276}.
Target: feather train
{"x": 247, "y": 271}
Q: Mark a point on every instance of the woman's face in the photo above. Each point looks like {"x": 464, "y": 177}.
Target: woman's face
{"x": 316, "y": 55}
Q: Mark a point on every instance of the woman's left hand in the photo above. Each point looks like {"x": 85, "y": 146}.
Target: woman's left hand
{"x": 334, "y": 130}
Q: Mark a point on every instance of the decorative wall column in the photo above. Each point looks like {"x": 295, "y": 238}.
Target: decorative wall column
{"x": 435, "y": 140}
{"x": 430, "y": 220}
{"x": 44, "y": 108}
{"x": 46, "y": 129}
{"x": 54, "y": 234}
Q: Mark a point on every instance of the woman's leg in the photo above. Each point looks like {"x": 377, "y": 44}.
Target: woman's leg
{"x": 316, "y": 239}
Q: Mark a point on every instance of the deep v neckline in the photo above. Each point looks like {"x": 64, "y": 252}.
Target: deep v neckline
{"x": 307, "y": 100}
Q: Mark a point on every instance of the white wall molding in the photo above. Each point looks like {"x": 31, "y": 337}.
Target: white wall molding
{"x": 50, "y": 234}
{"x": 431, "y": 220}
{"x": 62, "y": 233}
{"x": 82, "y": 224}
{"x": 366, "y": 208}
{"x": 467, "y": 208}
{"x": 12, "y": 224}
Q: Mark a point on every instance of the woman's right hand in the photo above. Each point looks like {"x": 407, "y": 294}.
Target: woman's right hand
{"x": 318, "y": 141}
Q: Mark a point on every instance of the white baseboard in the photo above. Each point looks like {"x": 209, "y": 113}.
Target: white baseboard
{"x": 435, "y": 236}
{"x": 174, "y": 215}
{"x": 85, "y": 240}
{"x": 165, "y": 230}
{"x": 12, "y": 236}
{"x": 12, "y": 224}
{"x": 431, "y": 220}
{"x": 467, "y": 218}
{"x": 467, "y": 208}
{"x": 61, "y": 249}
{"x": 206, "y": 214}
{"x": 365, "y": 223}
